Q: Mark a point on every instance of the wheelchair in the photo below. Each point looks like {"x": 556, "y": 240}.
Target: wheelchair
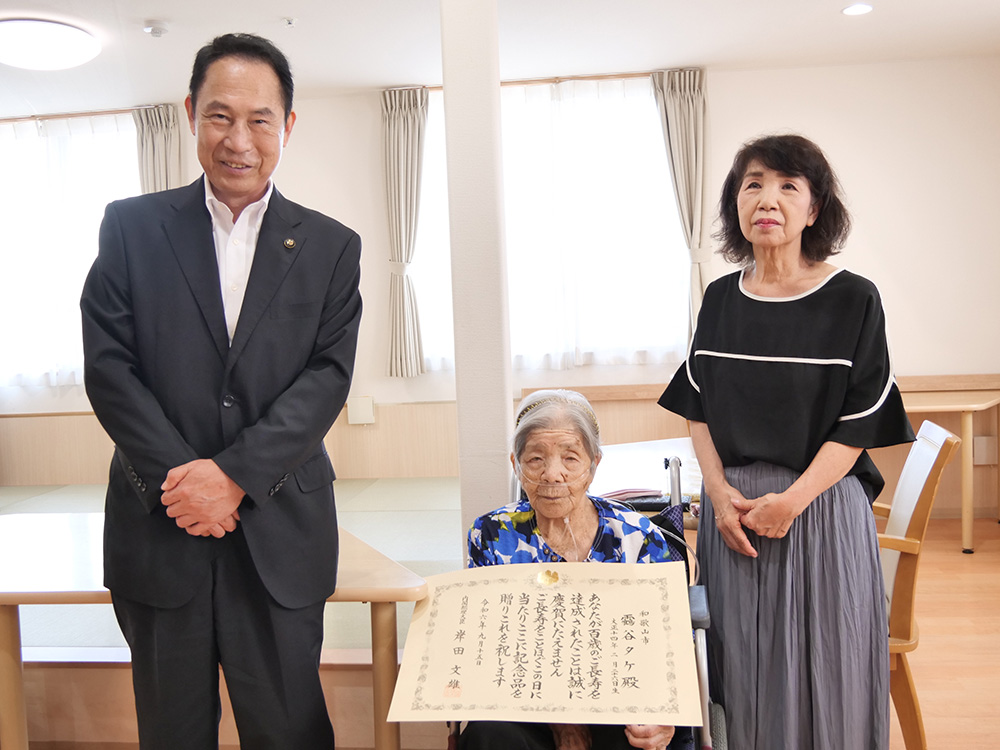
{"x": 668, "y": 513}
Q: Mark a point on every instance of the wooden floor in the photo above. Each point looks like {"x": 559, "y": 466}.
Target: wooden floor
{"x": 956, "y": 667}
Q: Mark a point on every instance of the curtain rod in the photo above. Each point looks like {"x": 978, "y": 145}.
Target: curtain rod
{"x": 558, "y": 79}
{"x": 70, "y": 115}
{"x": 521, "y": 82}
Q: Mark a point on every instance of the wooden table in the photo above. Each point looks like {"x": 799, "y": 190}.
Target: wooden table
{"x": 56, "y": 558}
{"x": 966, "y": 403}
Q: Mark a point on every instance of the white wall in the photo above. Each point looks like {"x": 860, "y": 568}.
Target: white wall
{"x": 917, "y": 147}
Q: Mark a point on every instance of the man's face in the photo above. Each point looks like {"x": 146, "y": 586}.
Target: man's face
{"x": 239, "y": 122}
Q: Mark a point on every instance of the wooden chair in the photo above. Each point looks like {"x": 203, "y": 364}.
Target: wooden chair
{"x": 900, "y": 545}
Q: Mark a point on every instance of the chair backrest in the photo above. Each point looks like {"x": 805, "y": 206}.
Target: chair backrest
{"x": 908, "y": 517}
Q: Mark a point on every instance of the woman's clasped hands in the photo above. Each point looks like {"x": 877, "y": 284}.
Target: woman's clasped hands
{"x": 770, "y": 515}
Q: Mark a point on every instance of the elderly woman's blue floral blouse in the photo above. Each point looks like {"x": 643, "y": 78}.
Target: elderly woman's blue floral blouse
{"x": 510, "y": 535}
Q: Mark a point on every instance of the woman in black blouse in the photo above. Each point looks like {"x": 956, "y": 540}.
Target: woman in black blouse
{"x": 787, "y": 382}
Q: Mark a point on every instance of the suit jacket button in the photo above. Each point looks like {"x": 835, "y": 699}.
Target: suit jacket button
{"x": 228, "y": 401}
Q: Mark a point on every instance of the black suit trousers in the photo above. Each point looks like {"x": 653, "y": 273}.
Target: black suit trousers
{"x": 269, "y": 655}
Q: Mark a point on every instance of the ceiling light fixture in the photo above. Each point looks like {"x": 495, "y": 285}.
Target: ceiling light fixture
{"x": 858, "y": 9}
{"x": 155, "y": 29}
{"x": 45, "y": 45}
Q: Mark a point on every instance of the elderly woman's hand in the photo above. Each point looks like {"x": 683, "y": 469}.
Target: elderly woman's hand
{"x": 649, "y": 736}
{"x": 571, "y": 736}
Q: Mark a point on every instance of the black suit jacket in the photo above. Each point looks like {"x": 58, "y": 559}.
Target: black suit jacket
{"x": 169, "y": 388}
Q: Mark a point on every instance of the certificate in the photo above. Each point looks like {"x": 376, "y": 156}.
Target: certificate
{"x": 575, "y": 643}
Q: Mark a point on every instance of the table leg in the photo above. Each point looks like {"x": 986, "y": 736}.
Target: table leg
{"x": 968, "y": 512}
{"x": 385, "y": 663}
{"x": 13, "y": 720}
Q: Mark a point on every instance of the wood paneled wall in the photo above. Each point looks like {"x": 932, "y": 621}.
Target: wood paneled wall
{"x": 53, "y": 449}
{"x": 420, "y": 440}
{"x": 406, "y": 440}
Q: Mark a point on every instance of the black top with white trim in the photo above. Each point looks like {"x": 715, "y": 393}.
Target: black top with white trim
{"x": 775, "y": 378}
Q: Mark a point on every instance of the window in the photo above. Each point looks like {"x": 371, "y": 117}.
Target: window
{"x": 59, "y": 174}
{"x": 598, "y": 270}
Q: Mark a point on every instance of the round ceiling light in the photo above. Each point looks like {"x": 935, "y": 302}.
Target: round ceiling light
{"x": 858, "y": 9}
{"x": 45, "y": 45}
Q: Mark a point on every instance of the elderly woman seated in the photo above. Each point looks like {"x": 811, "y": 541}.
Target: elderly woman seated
{"x": 556, "y": 453}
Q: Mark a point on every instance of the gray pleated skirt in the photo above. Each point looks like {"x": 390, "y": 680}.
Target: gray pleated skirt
{"x": 798, "y": 648}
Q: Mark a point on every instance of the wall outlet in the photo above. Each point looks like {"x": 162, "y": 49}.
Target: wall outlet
{"x": 984, "y": 451}
{"x": 360, "y": 410}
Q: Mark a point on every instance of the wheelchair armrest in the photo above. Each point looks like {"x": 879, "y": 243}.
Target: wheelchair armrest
{"x": 698, "y": 601}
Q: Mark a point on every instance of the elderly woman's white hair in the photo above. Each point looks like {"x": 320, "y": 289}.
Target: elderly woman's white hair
{"x": 545, "y": 409}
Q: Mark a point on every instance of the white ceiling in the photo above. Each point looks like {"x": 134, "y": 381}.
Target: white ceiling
{"x": 350, "y": 44}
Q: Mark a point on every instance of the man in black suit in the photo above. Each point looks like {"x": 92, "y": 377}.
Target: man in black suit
{"x": 220, "y": 322}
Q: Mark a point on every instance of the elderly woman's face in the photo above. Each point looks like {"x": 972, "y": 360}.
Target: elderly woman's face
{"x": 774, "y": 208}
{"x": 555, "y": 470}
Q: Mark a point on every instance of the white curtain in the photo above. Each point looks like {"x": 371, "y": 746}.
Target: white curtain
{"x": 58, "y": 175}
{"x": 598, "y": 271}
{"x": 587, "y": 186}
{"x": 680, "y": 96}
{"x": 404, "y": 120}
{"x": 158, "y": 140}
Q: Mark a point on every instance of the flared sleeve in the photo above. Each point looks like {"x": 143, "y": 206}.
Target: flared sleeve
{"x": 872, "y": 415}
{"x": 683, "y": 394}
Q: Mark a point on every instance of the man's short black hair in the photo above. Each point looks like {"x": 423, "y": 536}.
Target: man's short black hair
{"x": 246, "y": 47}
